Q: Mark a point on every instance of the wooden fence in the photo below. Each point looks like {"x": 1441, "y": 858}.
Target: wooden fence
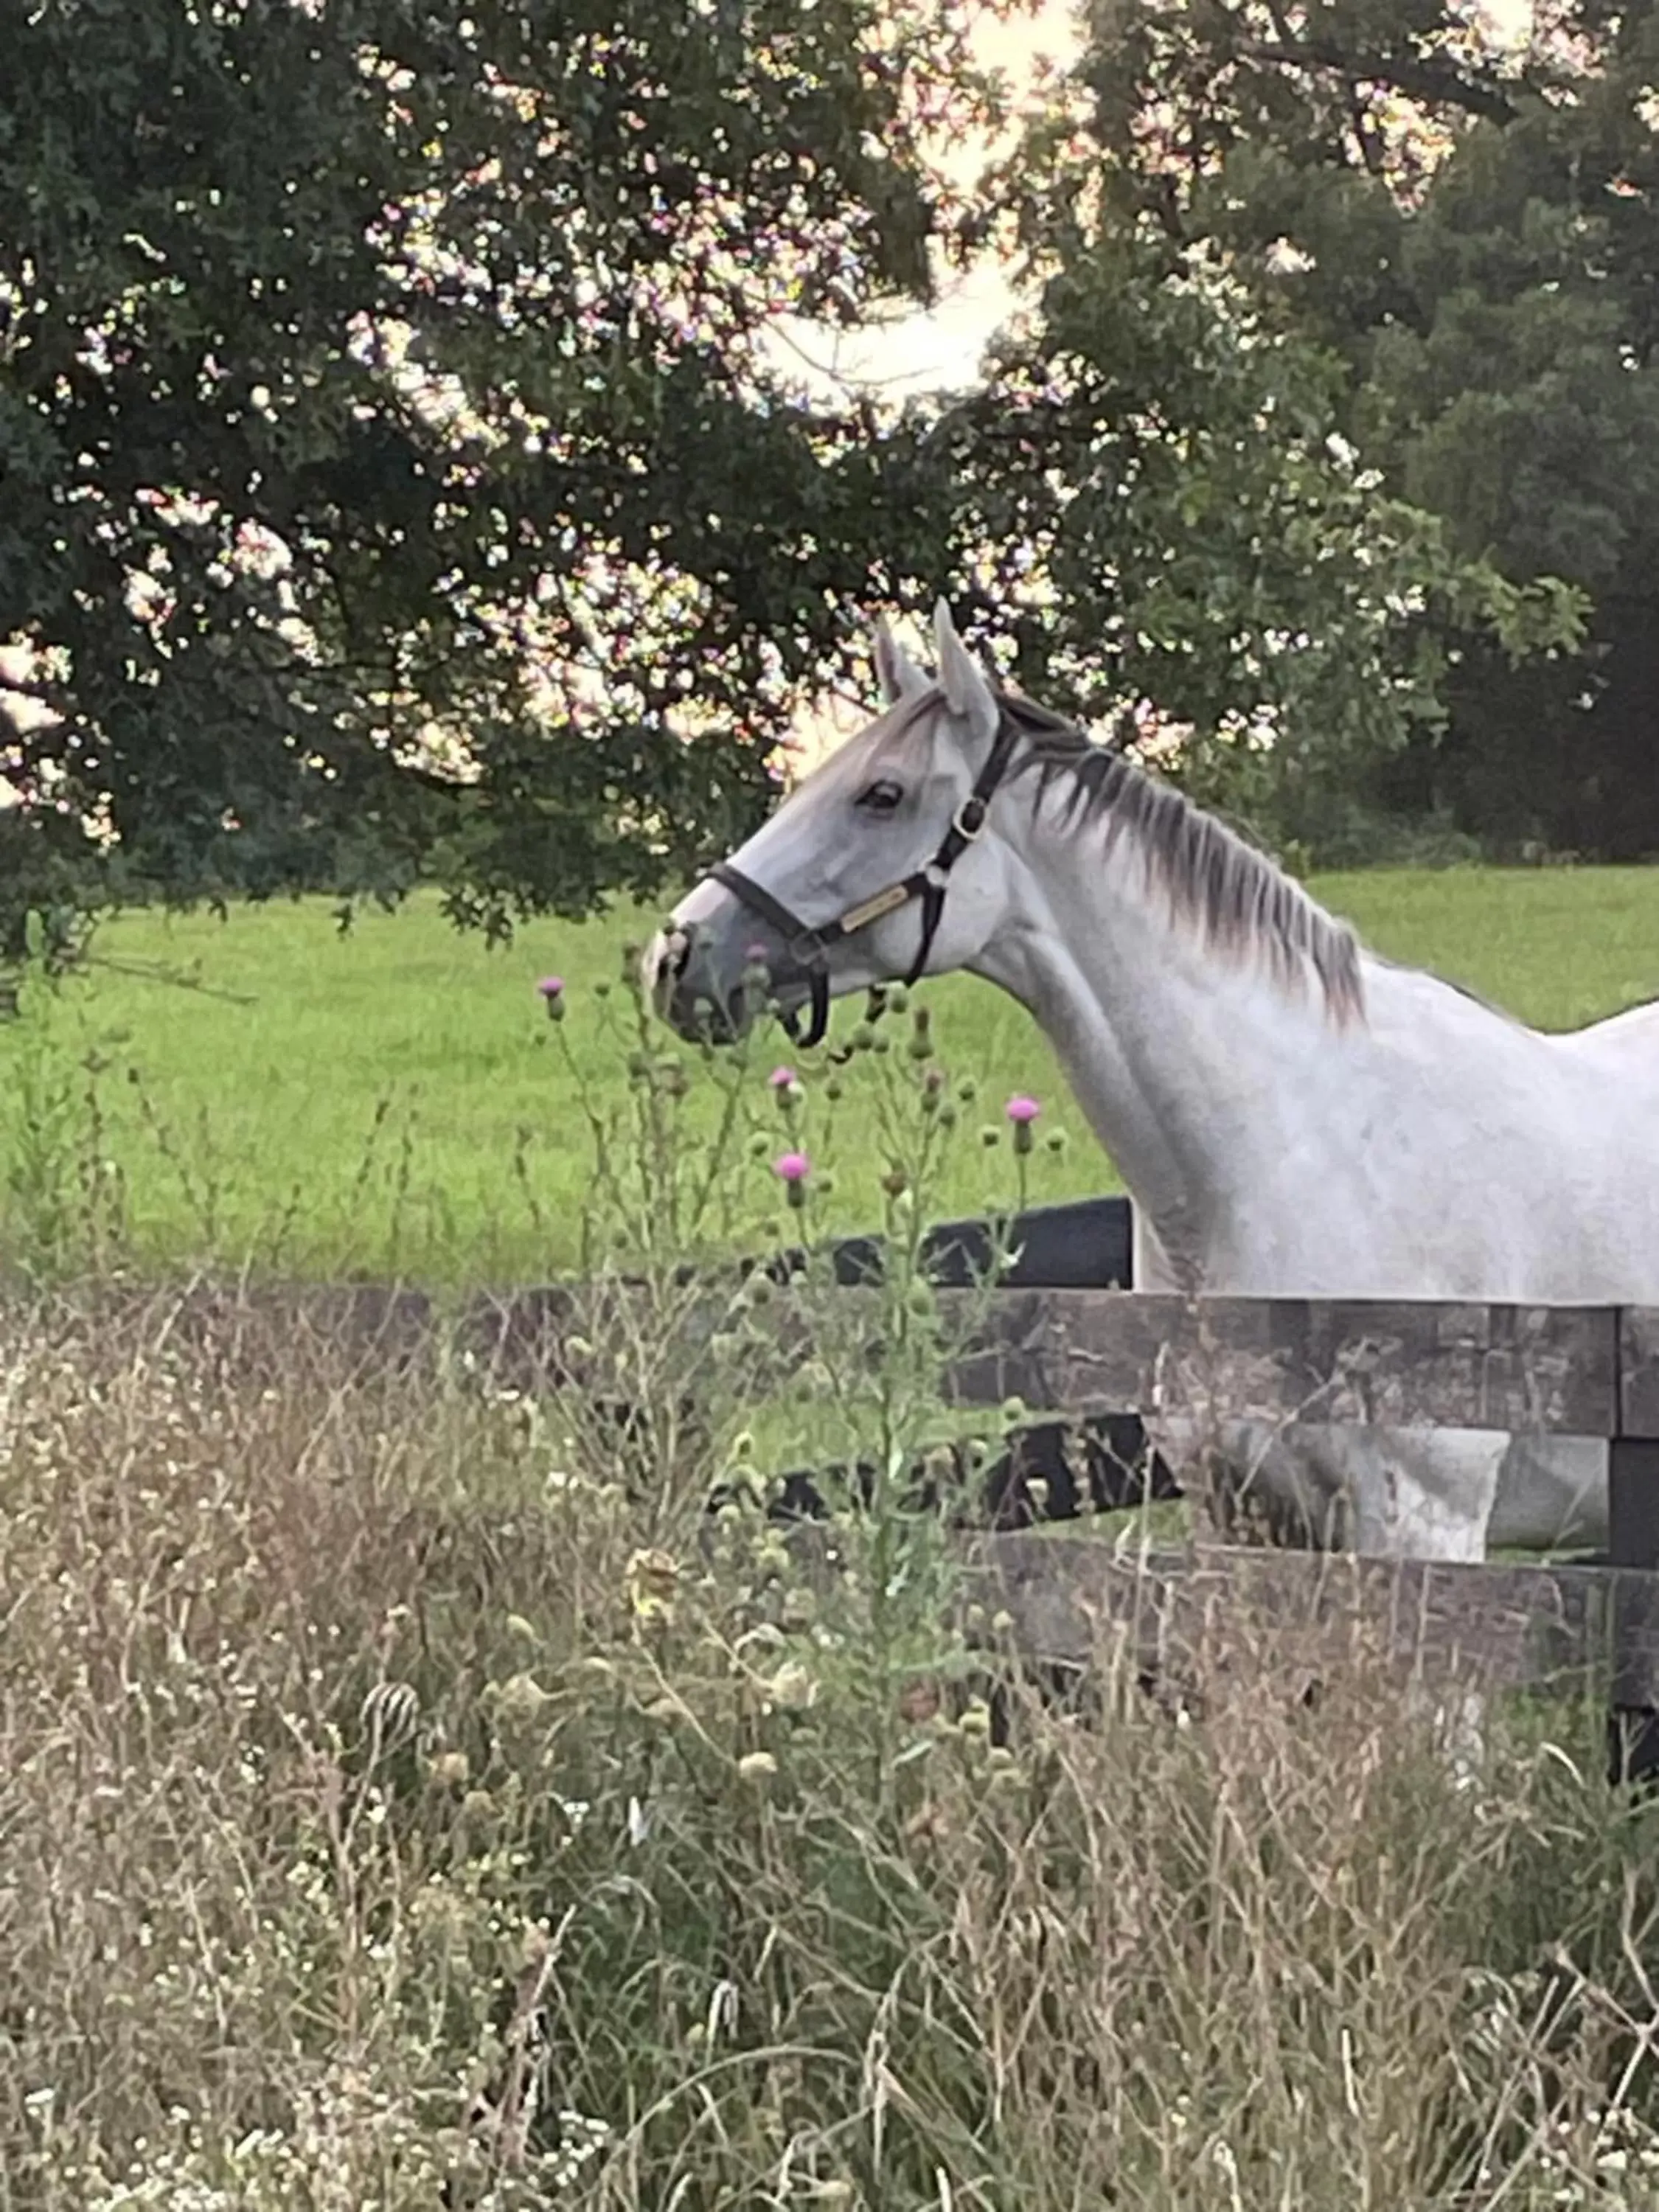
{"x": 1103, "y": 1356}
{"x": 1587, "y": 1371}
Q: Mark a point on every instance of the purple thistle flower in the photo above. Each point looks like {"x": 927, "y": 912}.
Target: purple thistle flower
{"x": 1022, "y": 1112}
{"x": 793, "y": 1167}
{"x": 781, "y": 1079}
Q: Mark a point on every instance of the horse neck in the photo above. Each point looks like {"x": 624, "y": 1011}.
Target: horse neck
{"x": 1200, "y": 1073}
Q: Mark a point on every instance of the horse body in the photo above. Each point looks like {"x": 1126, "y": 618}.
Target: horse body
{"x": 1293, "y": 1117}
{"x": 1438, "y": 1152}
{"x": 1434, "y": 1149}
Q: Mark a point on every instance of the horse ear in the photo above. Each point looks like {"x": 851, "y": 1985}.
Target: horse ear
{"x": 896, "y": 673}
{"x": 960, "y": 678}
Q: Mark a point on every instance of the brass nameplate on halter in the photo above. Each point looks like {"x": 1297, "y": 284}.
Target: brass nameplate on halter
{"x": 857, "y": 917}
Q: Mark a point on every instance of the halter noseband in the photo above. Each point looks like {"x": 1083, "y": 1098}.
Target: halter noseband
{"x": 811, "y": 947}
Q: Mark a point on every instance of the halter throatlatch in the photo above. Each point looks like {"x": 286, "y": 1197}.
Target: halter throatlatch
{"x": 811, "y": 948}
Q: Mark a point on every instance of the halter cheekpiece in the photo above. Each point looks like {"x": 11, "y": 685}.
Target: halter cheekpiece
{"x": 811, "y": 947}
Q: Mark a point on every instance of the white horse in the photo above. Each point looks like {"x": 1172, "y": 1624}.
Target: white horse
{"x": 1294, "y": 1116}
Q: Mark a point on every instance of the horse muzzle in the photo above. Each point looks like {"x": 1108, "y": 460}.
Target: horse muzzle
{"x": 710, "y": 989}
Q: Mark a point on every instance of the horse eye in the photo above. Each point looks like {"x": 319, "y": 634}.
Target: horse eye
{"x": 881, "y": 797}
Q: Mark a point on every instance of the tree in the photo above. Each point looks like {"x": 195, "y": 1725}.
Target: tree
{"x": 397, "y": 484}
{"x": 390, "y": 477}
{"x": 1467, "y": 226}
{"x": 1152, "y": 479}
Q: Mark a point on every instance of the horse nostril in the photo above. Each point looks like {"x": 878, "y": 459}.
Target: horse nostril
{"x": 675, "y": 951}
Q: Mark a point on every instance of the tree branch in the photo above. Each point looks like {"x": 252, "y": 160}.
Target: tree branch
{"x": 1165, "y": 201}
{"x": 1370, "y": 147}
{"x": 1419, "y": 80}
{"x": 30, "y": 687}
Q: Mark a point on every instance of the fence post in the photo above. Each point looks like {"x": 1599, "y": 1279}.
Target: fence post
{"x": 1632, "y": 1542}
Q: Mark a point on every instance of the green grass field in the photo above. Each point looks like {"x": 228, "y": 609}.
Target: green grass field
{"x": 392, "y": 1100}
{"x": 413, "y": 1797}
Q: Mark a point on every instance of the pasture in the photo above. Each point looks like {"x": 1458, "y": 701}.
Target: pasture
{"x": 414, "y": 1799}
{"x": 264, "y": 1091}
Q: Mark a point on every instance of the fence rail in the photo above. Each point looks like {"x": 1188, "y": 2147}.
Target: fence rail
{"x": 1168, "y": 1613}
{"x": 1556, "y": 1370}
{"x": 1064, "y": 1345}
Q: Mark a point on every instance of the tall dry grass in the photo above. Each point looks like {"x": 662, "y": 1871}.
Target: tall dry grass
{"x": 402, "y": 1808}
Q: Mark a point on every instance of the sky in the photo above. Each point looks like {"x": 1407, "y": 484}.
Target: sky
{"x": 942, "y": 345}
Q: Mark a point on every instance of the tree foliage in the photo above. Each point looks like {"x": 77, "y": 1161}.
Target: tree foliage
{"x": 378, "y": 385}
{"x": 1148, "y": 485}
{"x": 1467, "y": 224}
{"x": 397, "y": 481}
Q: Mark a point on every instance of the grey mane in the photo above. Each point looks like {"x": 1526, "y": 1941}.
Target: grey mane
{"x": 1234, "y": 896}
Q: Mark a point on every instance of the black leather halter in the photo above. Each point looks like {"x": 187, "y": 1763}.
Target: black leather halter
{"x": 811, "y": 947}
